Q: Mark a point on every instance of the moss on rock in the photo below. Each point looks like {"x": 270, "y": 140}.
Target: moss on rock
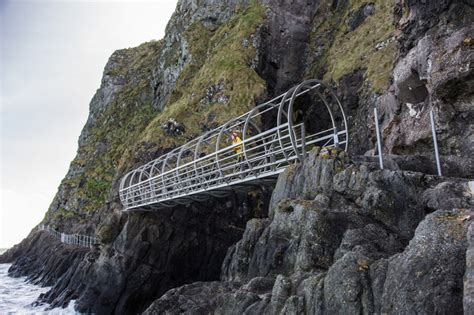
{"x": 219, "y": 57}
{"x": 114, "y": 127}
{"x": 124, "y": 125}
{"x": 64, "y": 213}
{"x": 370, "y": 46}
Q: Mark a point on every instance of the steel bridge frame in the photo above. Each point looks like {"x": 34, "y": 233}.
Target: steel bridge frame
{"x": 208, "y": 167}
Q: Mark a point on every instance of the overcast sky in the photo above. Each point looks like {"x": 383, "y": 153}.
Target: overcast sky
{"x": 52, "y": 54}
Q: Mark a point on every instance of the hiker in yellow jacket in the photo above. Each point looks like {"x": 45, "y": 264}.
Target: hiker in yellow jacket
{"x": 236, "y": 140}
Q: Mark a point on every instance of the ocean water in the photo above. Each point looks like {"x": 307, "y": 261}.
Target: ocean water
{"x": 16, "y": 296}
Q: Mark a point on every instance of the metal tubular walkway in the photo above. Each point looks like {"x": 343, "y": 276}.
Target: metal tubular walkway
{"x": 272, "y": 136}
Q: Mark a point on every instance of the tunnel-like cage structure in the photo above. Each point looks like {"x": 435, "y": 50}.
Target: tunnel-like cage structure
{"x": 270, "y": 137}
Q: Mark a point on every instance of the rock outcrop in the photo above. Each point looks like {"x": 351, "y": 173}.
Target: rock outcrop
{"x": 44, "y": 260}
{"x": 341, "y": 239}
{"x": 335, "y": 235}
{"x": 469, "y": 274}
{"x": 427, "y": 276}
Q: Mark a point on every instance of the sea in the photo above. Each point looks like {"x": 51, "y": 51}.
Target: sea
{"x": 17, "y": 296}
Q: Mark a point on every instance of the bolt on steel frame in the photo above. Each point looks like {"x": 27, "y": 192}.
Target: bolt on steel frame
{"x": 273, "y": 135}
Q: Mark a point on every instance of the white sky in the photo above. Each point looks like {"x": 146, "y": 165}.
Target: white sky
{"x": 52, "y": 55}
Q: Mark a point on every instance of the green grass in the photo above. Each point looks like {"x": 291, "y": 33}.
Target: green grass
{"x": 217, "y": 55}
{"x": 63, "y": 213}
{"x": 115, "y": 130}
{"x": 345, "y": 51}
{"x": 128, "y": 130}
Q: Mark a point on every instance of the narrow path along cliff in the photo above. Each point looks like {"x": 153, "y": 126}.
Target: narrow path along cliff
{"x": 333, "y": 234}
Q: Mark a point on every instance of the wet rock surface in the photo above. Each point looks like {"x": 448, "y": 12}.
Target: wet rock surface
{"x": 151, "y": 252}
{"x": 43, "y": 259}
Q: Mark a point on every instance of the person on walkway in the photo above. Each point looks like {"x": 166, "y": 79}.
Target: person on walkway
{"x": 236, "y": 140}
{"x": 238, "y": 150}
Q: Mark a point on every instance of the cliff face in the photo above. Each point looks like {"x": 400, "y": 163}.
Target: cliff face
{"x": 352, "y": 241}
{"x": 337, "y": 234}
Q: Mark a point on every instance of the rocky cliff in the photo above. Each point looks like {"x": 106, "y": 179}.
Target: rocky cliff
{"x": 343, "y": 237}
{"x": 335, "y": 234}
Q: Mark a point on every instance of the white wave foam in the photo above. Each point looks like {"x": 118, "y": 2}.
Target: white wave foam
{"x": 17, "y": 296}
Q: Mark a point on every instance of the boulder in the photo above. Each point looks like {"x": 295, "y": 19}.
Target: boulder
{"x": 427, "y": 276}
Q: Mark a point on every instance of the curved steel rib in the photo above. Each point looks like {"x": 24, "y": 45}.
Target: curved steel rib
{"x": 265, "y": 151}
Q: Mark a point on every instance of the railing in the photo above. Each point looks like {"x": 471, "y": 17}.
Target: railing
{"x": 433, "y": 134}
{"x": 273, "y": 135}
{"x": 74, "y": 239}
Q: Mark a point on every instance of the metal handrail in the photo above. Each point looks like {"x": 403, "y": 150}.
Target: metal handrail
{"x": 74, "y": 239}
{"x": 207, "y": 165}
{"x": 255, "y": 159}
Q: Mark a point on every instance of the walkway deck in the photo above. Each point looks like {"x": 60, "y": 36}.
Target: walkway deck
{"x": 273, "y": 135}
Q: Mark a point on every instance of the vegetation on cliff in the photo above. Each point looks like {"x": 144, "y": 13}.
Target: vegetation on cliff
{"x": 340, "y": 235}
{"x": 219, "y": 83}
{"x": 113, "y": 128}
{"x": 359, "y": 35}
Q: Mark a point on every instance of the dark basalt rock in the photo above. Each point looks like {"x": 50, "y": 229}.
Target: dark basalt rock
{"x": 340, "y": 246}
{"x": 150, "y": 253}
{"x": 427, "y": 276}
{"x": 451, "y": 166}
{"x": 42, "y": 258}
{"x": 196, "y": 298}
{"x": 338, "y": 235}
{"x": 428, "y": 75}
{"x": 469, "y": 274}
{"x": 347, "y": 288}
{"x": 425, "y": 15}
{"x": 284, "y": 42}
{"x": 358, "y": 17}
{"x": 159, "y": 250}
